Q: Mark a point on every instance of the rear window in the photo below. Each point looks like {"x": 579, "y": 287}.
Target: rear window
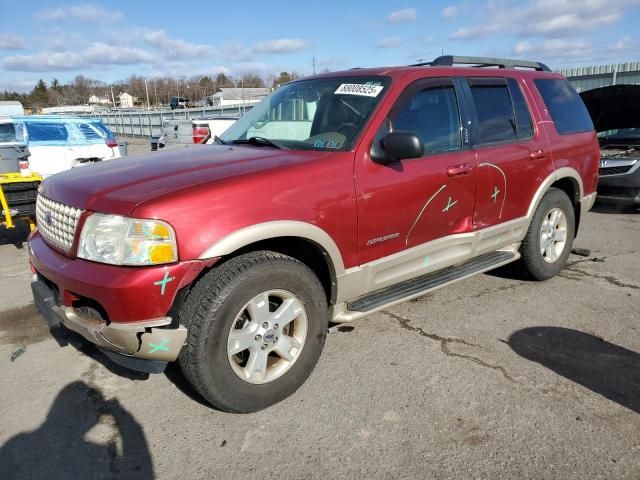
{"x": 90, "y": 132}
{"x": 7, "y": 132}
{"x": 102, "y": 128}
{"x": 47, "y": 132}
{"x": 524, "y": 125}
{"x": 496, "y": 120}
{"x": 565, "y": 106}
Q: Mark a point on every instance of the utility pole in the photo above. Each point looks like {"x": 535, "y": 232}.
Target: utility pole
{"x": 155, "y": 93}
{"x": 113, "y": 99}
{"x": 313, "y": 63}
{"x": 146, "y": 88}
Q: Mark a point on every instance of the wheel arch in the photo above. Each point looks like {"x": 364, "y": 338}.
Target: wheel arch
{"x": 303, "y": 241}
{"x": 569, "y": 181}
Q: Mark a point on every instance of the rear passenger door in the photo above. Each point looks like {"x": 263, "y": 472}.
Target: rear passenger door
{"x": 511, "y": 151}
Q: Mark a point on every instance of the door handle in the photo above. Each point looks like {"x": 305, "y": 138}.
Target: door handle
{"x": 458, "y": 170}
{"x": 538, "y": 154}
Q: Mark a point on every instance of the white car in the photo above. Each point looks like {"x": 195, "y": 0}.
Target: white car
{"x": 58, "y": 143}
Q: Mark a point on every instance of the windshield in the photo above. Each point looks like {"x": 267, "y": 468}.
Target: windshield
{"x": 632, "y": 134}
{"x": 320, "y": 114}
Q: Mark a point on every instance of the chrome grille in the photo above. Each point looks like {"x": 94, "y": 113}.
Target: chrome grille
{"x": 57, "y": 222}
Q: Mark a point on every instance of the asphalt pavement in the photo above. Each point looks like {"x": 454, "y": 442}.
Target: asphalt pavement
{"x": 495, "y": 377}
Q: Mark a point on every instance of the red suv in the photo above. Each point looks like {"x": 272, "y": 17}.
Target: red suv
{"x": 337, "y": 196}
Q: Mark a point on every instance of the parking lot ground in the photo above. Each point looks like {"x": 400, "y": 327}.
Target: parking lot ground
{"x": 494, "y": 377}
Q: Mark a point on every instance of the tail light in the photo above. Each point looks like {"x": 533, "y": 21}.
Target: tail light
{"x": 111, "y": 142}
{"x": 200, "y": 134}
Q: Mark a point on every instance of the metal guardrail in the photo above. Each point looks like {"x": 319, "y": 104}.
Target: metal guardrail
{"x": 145, "y": 124}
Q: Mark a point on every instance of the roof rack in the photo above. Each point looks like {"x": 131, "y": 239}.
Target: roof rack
{"x": 451, "y": 60}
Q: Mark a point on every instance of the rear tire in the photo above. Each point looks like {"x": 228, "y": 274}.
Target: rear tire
{"x": 547, "y": 245}
{"x": 257, "y": 325}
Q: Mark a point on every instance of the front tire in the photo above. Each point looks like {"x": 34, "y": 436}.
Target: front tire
{"x": 547, "y": 245}
{"x": 257, "y": 325}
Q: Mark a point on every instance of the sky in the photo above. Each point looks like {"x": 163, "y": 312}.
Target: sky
{"x": 112, "y": 40}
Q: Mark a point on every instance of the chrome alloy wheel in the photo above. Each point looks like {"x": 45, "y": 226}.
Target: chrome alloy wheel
{"x": 267, "y": 336}
{"x": 553, "y": 235}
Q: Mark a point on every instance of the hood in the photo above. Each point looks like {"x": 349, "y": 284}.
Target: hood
{"x": 119, "y": 185}
{"x": 613, "y": 107}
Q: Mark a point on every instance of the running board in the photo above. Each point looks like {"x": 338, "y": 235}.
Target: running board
{"x": 421, "y": 285}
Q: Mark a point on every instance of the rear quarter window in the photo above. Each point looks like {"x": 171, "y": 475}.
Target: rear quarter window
{"x": 565, "y": 106}
{"x": 90, "y": 133}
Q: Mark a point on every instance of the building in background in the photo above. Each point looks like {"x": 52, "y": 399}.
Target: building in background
{"x": 126, "y": 100}
{"x": 95, "y": 100}
{"x": 237, "y": 96}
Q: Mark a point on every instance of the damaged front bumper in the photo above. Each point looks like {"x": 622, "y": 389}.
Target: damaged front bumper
{"x": 154, "y": 340}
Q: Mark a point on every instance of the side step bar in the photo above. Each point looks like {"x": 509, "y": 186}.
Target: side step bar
{"x": 421, "y": 285}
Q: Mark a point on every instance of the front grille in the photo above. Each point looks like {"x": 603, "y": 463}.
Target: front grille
{"x": 614, "y": 170}
{"x": 57, "y": 222}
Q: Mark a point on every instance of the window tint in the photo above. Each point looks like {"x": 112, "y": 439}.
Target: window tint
{"x": 496, "y": 120}
{"x": 7, "y": 132}
{"x": 106, "y": 133}
{"x": 432, "y": 114}
{"x": 524, "y": 125}
{"x": 565, "y": 106}
{"x": 89, "y": 132}
{"x": 46, "y": 132}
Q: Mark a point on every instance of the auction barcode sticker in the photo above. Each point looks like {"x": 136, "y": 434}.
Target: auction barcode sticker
{"x": 359, "y": 89}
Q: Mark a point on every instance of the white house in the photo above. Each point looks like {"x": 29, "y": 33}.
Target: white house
{"x": 94, "y": 99}
{"x": 125, "y": 100}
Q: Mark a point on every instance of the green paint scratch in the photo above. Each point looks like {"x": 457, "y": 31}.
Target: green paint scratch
{"x": 426, "y": 261}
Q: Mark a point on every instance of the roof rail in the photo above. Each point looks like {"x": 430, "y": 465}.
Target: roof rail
{"x": 451, "y": 60}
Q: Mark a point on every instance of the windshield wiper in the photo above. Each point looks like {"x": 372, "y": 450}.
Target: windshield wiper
{"x": 217, "y": 139}
{"x": 259, "y": 141}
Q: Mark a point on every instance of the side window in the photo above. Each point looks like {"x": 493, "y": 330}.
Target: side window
{"x": 524, "y": 125}
{"x": 496, "y": 119}
{"x": 47, "y": 132}
{"x": 565, "y": 106}
{"x": 433, "y": 115}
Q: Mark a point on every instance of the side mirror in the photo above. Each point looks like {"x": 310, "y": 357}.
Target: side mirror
{"x": 398, "y": 145}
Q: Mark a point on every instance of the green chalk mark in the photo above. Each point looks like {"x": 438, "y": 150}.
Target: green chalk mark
{"x": 159, "y": 347}
{"x": 164, "y": 282}
{"x": 426, "y": 261}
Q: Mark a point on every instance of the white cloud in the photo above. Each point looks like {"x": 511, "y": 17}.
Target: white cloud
{"x": 553, "y": 48}
{"x": 389, "y": 42}
{"x": 96, "y": 55}
{"x": 402, "y": 16}
{"x": 11, "y": 41}
{"x": 546, "y": 18}
{"x": 175, "y": 48}
{"x": 17, "y": 85}
{"x": 451, "y": 11}
{"x": 85, "y": 12}
{"x": 281, "y": 45}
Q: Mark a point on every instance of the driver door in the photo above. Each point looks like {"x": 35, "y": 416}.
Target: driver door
{"x": 405, "y": 205}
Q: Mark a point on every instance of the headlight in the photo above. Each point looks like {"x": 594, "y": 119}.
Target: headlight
{"x": 127, "y": 241}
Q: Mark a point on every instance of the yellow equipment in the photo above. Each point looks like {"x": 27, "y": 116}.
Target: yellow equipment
{"x": 18, "y": 198}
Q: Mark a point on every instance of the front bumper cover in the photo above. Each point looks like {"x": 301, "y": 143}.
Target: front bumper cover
{"x": 149, "y": 340}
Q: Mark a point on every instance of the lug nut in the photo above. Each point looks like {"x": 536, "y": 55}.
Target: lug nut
{"x": 264, "y": 346}
{"x": 275, "y": 340}
{"x": 275, "y": 327}
{"x": 265, "y": 325}
{"x": 258, "y": 337}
